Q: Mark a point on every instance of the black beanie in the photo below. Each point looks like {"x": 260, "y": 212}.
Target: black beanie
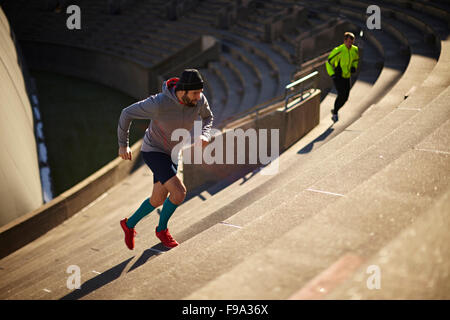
{"x": 190, "y": 80}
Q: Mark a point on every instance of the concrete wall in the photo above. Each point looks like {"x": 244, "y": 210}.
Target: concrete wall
{"x": 119, "y": 73}
{"x": 135, "y": 79}
{"x": 293, "y": 124}
{"x": 20, "y": 190}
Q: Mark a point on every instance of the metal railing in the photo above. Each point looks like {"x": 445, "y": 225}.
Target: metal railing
{"x": 298, "y": 95}
{"x": 294, "y": 93}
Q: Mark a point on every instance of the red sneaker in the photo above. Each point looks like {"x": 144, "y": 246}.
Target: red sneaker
{"x": 130, "y": 233}
{"x": 166, "y": 238}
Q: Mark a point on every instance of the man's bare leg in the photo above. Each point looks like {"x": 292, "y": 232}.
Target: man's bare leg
{"x": 159, "y": 194}
{"x": 177, "y": 195}
{"x": 176, "y": 189}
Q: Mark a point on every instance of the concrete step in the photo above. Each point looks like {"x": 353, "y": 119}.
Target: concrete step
{"x": 134, "y": 205}
{"x": 215, "y": 69}
{"x": 250, "y": 90}
{"x": 167, "y": 32}
{"x": 208, "y": 7}
{"x": 434, "y": 8}
{"x": 196, "y": 23}
{"x": 314, "y": 247}
{"x": 423, "y": 17}
{"x": 207, "y": 90}
{"x": 163, "y": 43}
{"x": 422, "y": 246}
{"x": 70, "y": 246}
{"x": 268, "y": 83}
{"x": 248, "y": 59}
{"x": 143, "y": 257}
{"x": 278, "y": 63}
{"x": 255, "y": 30}
{"x": 271, "y": 223}
{"x": 235, "y": 92}
{"x": 150, "y": 48}
{"x": 84, "y": 234}
{"x": 406, "y": 22}
{"x": 419, "y": 68}
{"x": 362, "y": 85}
{"x": 138, "y": 55}
{"x": 359, "y": 224}
{"x": 108, "y": 248}
{"x": 444, "y": 4}
{"x": 415, "y": 39}
{"x": 218, "y": 94}
{"x": 284, "y": 49}
{"x": 400, "y": 122}
{"x": 370, "y": 86}
{"x": 207, "y": 19}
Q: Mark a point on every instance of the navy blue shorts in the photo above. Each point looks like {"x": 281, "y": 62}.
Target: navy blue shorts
{"x": 161, "y": 165}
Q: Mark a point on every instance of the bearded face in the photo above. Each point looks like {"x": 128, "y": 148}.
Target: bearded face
{"x": 187, "y": 101}
{"x": 191, "y": 97}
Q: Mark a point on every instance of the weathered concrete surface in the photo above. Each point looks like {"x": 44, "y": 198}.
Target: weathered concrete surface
{"x": 415, "y": 265}
{"x": 20, "y": 191}
{"x": 358, "y": 194}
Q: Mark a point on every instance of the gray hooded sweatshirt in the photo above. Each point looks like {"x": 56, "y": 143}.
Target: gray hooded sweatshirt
{"x": 166, "y": 114}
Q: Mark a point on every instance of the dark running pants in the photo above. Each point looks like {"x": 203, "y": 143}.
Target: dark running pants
{"x": 343, "y": 89}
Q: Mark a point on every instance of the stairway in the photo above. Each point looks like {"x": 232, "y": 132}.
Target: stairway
{"x": 375, "y": 190}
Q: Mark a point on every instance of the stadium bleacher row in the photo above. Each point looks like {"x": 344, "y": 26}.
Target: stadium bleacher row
{"x": 375, "y": 186}
{"x": 249, "y": 72}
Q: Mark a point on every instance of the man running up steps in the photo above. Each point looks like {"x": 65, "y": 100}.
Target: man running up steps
{"x": 177, "y": 106}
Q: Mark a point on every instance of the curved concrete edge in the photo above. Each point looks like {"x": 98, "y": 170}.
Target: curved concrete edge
{"x": 36, "y": 223}
{"x": 20, "y": 190}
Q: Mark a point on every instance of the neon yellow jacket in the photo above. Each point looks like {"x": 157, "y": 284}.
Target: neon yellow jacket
{"x": 341, "y": 60}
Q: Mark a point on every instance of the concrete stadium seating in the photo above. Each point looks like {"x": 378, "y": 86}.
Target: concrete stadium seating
{"x": 128, "y": 39}
{"x": 374, "y": 187}
{"x": 271, "y": 62}
{"x": 131, "y": 35}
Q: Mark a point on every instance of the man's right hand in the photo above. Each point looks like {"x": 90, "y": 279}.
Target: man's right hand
{"x": 125, "y": 153}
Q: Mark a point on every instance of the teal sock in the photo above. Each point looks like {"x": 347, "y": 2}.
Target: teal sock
{"x": 140, "y": 213}
{"x": 166, "y": 212}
